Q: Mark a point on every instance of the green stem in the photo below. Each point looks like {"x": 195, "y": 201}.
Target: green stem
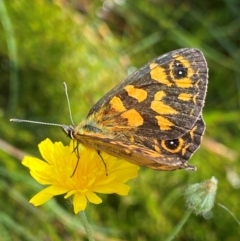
{"x": 87, "y": 227}
{"x": 226, "y": 209}
{"x": 179, "y": 226}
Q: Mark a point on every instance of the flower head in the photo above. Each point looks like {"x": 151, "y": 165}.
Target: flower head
{"x": 90, "y": 177}
{"x": 200, "y": 197}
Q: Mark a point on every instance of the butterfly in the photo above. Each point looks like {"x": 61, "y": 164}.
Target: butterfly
{"x": 154, "y": 117}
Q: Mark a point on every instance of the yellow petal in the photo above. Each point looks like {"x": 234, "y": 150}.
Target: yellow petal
{"x": 39, "y": 169}
{"x": 34, "y": 163}
{"x": 125, "y": 171}
{"x": 46, "y": 149}
{"x": 79, "y": 202}
{"x": 119, "y": 188}
{"x": 123, "y": 189}
{"x": 42, "y": 179}
{"x": 40, "y": 198}
{"x": 69, "y": 194}
{"x": 47, "y": 193}
{"x": 93, "y": 198}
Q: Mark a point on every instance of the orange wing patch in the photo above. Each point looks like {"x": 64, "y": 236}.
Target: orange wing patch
{"x": 136, "y": 93}
{"x": 161, "y": 108}
{"x": 117, "y": 104}
{"x": 164, "y": 123}
{"x": 159, "y": 95}
{"x": 133, "y": 117}
{"x": 187, "y": 97}
{"x": 184, "y": 149}
{"x": 192, "y": 132}
{"x": 158, "y": 73}
{"x": 184, "y": 83}
{"x": 156, "y": 146}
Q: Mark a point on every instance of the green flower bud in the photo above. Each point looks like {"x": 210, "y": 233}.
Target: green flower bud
{"x": 200, "y": 197}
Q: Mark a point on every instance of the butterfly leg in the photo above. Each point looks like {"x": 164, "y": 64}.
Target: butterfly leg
{"x": 104, "y": 163}
{"x": 76, "y": 150}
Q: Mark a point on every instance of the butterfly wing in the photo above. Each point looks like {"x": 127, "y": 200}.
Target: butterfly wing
{"x": 162, "y": 99}
{"x": 154, "y": 117}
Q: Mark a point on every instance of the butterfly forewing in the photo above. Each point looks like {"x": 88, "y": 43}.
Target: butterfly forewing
{"x": 164, "y": 98}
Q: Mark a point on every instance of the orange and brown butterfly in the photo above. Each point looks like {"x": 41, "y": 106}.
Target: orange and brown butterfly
{"x": 154, "y": 117}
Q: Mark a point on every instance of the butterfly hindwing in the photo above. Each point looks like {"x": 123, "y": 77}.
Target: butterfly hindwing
{"x": 155, "y": 153}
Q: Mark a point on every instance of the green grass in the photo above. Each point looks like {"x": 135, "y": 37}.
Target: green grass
{"x": 55, "y": 44}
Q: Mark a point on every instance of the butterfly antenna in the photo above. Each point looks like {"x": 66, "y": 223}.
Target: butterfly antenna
{"x": 37, "y": 122}
{"x": 47, "y": 123}
{"x": 69, "y": 107}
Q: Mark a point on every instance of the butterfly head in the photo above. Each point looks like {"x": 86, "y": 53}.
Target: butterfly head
{"x": 69, "y": 130}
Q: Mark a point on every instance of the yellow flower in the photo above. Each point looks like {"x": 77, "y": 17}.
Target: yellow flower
{"x": 90, "y": 177}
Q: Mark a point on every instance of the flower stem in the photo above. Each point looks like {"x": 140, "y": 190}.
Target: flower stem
{"x": 86, "y": 225}
{"x": 231, "y": 213}
{"x": 179, "y": 226}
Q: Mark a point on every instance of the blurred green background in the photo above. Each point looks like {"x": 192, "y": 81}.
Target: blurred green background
{"x": 92, "y": 45}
